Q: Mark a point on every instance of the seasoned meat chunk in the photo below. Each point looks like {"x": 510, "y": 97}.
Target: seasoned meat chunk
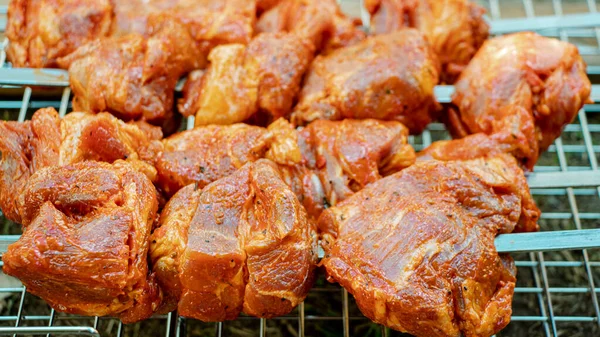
{"x": 242, "y": 81}
{"x": 85, "y": 245}
{"x": 513, "y": 132}
{"x": 320, "y": 21}
{"x": 46, "y": 141}
{"x": 455, "y": 28}
{"x": 42, "y": 31}
{"x": 131, "y": 76}
{"x": 389, "y": 77}
{"x": 420, "y": 244}
{"x": 26, "y": 147}
{"x": 205, "y": 154}
{"x": 338, "y": 158}
{"x": 543, "y": 77}
{"x": 244, "y": 243}
{"x": 209, "y": 22}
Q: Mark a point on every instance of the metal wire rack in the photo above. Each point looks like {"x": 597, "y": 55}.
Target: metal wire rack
{"x": 556, "y": 294}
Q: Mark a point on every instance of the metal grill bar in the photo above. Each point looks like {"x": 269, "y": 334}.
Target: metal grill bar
{"x": 571, "y": 196}
{"x": 576, "y": 217}
{"x": 540, "y": 257}
{"x": 2, "y": 52}
{"x": 76, "y": 330}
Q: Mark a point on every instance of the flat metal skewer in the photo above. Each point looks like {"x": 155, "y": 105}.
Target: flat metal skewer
{"x": 34, "y": 77}
{"x": 60, "y": 78}
{"x": 541, "y": 241}
{"x": 540, "y": 23}
{"x": 548, "y": 241}
{"x": 521, "y": 242}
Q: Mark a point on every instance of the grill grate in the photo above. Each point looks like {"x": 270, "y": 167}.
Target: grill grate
{"x": 556, "y": 294}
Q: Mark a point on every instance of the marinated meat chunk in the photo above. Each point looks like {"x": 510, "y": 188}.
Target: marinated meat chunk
{"x": 209, "y": 22}
{"x": 103, "y": 137}
{"x": 46, "y": 141}
{"x": 42, "y": 31}
{"x": 389, "y": 77}
{"x": 513, "y": 133}
{"x": 249, "y": 247}
{"x": 320, "y": 21}
{"x": 338, "y": 158}
{"x": 243, "y": 81}
{"x": 543, "y": 77}
{"x": 131, "y": 76}
{"x": 84, "y": 247}
{"x": 205, "y": 154}
{"x": 26, "y": 147}
{"x": 455, "y": 28}
{"x": 416, "y": 249}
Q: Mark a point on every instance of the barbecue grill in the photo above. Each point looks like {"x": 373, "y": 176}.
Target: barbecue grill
{"x": 556, "y": 294}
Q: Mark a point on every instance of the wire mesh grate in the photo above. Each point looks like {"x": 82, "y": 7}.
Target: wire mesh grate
{"x": 557, "y": 292}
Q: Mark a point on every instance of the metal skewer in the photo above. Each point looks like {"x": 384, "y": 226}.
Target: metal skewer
{"x": 548, "y": 241}
{"x": 60, "y": 78}
{"x": 541, "y": 241}
{"x": 582, "y": 20}
{"x": 523, "y": 242}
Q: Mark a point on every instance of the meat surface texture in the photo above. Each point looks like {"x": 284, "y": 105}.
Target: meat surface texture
{"x": 105, "y": 138}
{"x": 320, "y": 21}
{"x": 328, "y": 161}
{"x": 323, "y": 163}
{"x": 243, "y": 81}
{"x": 242, "y": 244}
{"x": 416, "y": 249}
{"x": 169, "y": 242}
{"x": 522, "y": 86}
{"x": 84, "y": 249}
{"x": 47, "y": 141}
{"x": 455, "y": 28}
{"x": 388, "y": 77}
{"x": 209, "y": 22}
{"x": 41, "y": 31}
{"x": 263, "y": 5}
{"x": 26, "y": 147}
{"x": 205, "y": 154}
{"x": 513, "y": 134}
{"x": 131, "y": 76}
